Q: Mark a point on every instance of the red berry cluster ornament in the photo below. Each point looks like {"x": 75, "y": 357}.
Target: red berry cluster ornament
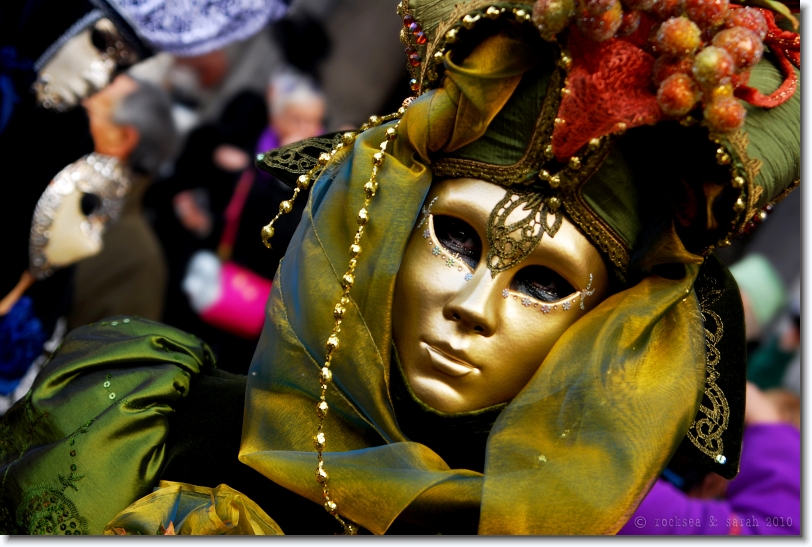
{"x": 704, "y": 48}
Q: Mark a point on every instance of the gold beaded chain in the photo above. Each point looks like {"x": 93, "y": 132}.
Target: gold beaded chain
{"x": 326, "y": 376}
{"x": 319, "y": 440}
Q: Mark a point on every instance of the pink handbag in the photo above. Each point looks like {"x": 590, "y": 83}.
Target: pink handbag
{"x": 240, "y": 308}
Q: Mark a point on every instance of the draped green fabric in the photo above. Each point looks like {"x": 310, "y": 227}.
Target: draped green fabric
{"x": 89, "y": 437}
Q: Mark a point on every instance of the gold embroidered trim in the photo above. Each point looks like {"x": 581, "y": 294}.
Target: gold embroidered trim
{"x": 706, "y": 433}
{"x": 294, "y": 159}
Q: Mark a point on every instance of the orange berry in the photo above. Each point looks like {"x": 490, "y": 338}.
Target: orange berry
{"x": 600, "y": 20}
{"x": 713, "y": 66}
{"x": 725, "y": 114}
{"x": 678, "y": 36}
{"x": 748, "y": 18}
{"x": 743, "y": 45}
{"x": 678, "y": 95}
{"x": 707, "y": 13}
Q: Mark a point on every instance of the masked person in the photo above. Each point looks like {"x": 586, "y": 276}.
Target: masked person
{"x": 132, "y": 121}
{"x": 499, "y": 314}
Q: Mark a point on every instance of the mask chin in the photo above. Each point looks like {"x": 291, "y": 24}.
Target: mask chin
{"x": 73, "y": 211}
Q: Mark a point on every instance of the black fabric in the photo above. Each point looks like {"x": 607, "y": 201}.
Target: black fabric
{"x": 689, "y": 461}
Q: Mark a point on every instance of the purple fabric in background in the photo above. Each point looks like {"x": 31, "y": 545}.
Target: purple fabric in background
{"x": 268, "y": 140}
{"x": 764, "y": 499}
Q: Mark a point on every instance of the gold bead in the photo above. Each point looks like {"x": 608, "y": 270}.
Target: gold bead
{"x": 470, "y": 20}
{"x": 555, "y": 181}
{"x": 492, "y": 12}
{"x": 377, "y": 159}
{"x": 330, "y": 506}
{"x": 324, "y": 158}
{"x": 520, "y": 13}
{"x": 339, "y": 311}
{"x": 565, "y": 61}
{"x": 594, "y": 143}
{"x": 267, "y": 234}
{"x": 321, "y": 475}
{"x": 321, "y": 409}
{"x": 326, "y": 375}
{"x": 621, "y": 127}
{"x": 370, "y": 188}
{"x": 762, "y": 215}
{"x": 401, "y": 111}
{"x": 737, "y": 182}
{"x": 363, "y": 217}
{"x": 285, "y": 207}
{"x": 554, "y": 203}
{"x": 344, "y": 301}
{"x": 374, "y": 121}
{"x": 564, "y": 92}
{"x": 739, "y": 205}
{"x": 544, "y": 175}
{"x": 548, "y": 152}
{"x": 722, "y": 157}
{"x": 347, "y": 281}
{"x": 438, "y": 55}
{"x": 558, "y": 121}
{"x": 451, "y": 36}
{"x": 391, "y": 133}
{"x": 348, "y": 137}
{"x": 332, "y": 342}
{"x": 302, "y": 182}
{"x": 338, "y": 147}
{"x": 575, "y": 162}
{"x": 355, "y": 250}
{"x": 724, "y": 243}
{"x": 319, "y": 441}
{"x": 383, "y": 146}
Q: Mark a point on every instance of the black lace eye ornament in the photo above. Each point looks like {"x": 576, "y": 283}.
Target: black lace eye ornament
{"x": 459, "y": 238}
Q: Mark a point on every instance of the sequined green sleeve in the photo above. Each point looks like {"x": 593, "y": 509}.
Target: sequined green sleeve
{"x": 89, "y": 438}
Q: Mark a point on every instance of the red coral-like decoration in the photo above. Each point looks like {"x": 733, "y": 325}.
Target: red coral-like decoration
{"x": 609, "y": 85}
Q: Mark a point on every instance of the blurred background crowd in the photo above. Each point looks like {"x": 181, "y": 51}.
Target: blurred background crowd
{"x": 186, "y": 248}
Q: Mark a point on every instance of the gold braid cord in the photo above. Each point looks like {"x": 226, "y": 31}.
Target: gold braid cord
{"x": 347, "y": 281}
{"x": 706, "y": 433}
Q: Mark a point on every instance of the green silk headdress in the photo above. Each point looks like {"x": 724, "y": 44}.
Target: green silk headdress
{"x": 580, "y": 446}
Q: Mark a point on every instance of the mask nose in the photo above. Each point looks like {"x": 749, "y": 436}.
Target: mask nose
{"x": 475, "y": 305}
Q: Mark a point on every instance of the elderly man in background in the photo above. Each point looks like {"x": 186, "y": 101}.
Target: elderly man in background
{"x": 130, "y": 120}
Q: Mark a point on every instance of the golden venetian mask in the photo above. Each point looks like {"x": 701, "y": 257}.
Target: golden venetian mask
{"x": 470, "y": 336}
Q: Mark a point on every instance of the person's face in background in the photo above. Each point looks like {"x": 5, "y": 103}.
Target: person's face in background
{"x": 299, "y": 119}
{"x": 109, "y": 138}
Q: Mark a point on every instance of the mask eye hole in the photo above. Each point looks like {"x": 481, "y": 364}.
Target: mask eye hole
{"x": 541, "y": 283}
{"x": 459, "y": 238}
{"x": 90, "y": 203}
